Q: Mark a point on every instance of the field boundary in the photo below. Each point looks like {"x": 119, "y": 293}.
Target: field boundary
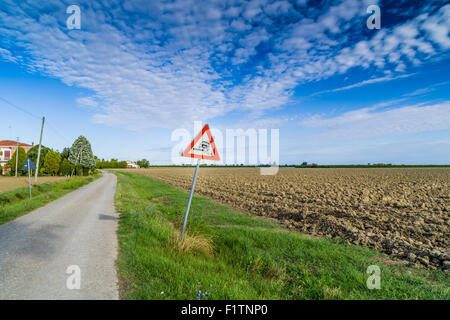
{"x": 400, "y": 211}
{"x": 15, "y": 203}
{"x": 233, "y": 255}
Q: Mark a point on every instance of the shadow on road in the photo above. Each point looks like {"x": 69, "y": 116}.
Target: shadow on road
{"x": 38, "y": 243}
{"x": 106, "y": 217}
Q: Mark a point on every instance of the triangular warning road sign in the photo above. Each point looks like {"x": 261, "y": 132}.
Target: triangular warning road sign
{"x": 202, "y": 147}
{"x": 32, "y": 165}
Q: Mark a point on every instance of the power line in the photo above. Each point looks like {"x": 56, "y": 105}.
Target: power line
{"x": 50, "y": 126}
{"x": 19, "y": 108}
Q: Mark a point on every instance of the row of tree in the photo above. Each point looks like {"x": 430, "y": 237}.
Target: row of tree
{"x": 112, "y": 164}
{"x": 116, "y": 164}
{"x": 144, "y": 163}
{"x": 77, "y": 159}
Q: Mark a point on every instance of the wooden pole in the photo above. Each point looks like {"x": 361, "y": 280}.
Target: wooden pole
{"x": 17, "y": 155}
{"x": 29, "y": 176}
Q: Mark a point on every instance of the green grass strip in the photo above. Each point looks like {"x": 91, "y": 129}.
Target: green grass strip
{"x": 15, "y": 203}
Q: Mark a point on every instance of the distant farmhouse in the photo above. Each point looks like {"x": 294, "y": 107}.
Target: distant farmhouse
{"x": 131, "y": 164}
{"x": 7, "y": 149}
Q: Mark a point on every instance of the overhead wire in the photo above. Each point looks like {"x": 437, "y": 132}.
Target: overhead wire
{"x": 48, "y": 124}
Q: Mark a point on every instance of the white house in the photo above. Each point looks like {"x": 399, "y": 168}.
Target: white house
{"x": 131, "y": 164}
{"x": 7, "y": 149}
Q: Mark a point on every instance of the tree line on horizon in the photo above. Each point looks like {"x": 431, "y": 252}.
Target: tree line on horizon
{"x": 116, "y": 164}
{"x": 78, "y": 160}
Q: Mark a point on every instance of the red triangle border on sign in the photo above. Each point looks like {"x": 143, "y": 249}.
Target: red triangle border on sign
{"x": 211, "y": 140}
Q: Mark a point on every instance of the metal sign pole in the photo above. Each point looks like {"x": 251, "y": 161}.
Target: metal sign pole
{"x": 189, "y": 201}
{"x": 29, "y": 177}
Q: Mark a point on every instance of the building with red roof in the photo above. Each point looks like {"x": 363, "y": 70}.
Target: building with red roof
{"x": 7, "y": 149}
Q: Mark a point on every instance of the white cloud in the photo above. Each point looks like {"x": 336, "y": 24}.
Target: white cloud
{"x": 366, "y": 82}
{"x": 172, "y": 63}
{"x": 367, "y": 123}
{"x": 7, "y": 56}
{"x": 240, "y": 25}
{"x": 389, "y": 103}
{"x": 438, "y": 26}
{"x": 88, "y": 102}
{"x": 425, "y": 90}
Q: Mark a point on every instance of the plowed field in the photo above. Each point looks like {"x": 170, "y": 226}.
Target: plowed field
{"x": 404, "y": 212}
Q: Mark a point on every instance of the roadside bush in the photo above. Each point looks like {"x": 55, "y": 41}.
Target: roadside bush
{"x": 144, "y": 163}
{"x": 112, "y": 164}
{"x": 65, "y": 168}
{"x": 51, "y": 162}
{"x": 78, "y": 170}
{"x": 33, "y": 153}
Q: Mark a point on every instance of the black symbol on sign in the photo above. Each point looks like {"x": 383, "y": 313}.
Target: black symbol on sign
{"x": 205, "y": 145}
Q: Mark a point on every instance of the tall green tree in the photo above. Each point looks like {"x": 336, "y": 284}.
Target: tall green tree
{"x": 65, "y": 167}
{"x": 22, "y": 159}
{"x": 51, "y": 162}
{"x": 33, "y": 153}
{"x": 65, "y": 153}
{"x": 144, "y": 163}
{"x": 81, "y": 155}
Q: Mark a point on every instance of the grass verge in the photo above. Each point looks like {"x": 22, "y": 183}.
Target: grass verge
{"x": 232, "y": 255}
{"x": 15, "y": 203}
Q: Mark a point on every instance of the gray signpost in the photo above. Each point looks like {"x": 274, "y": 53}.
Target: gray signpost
{"x": 202, "y": 147}
{"x": 29, "y": 165}
{"x": 189, "y": 201}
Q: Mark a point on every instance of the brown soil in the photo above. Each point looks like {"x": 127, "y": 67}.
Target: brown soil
{"x": 10, "y": 183}
{"x": 404, "y": 212}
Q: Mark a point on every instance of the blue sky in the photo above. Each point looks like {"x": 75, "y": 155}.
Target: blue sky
{"x": 137, "y": 70}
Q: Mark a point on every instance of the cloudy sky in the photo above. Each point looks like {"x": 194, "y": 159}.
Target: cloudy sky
{"x": 137, "y": 70}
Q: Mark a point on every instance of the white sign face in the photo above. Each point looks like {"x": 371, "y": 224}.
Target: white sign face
{"x": 203, "y": 147}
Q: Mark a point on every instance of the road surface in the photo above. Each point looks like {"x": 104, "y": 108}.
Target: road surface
{"x": 77, "y": 230}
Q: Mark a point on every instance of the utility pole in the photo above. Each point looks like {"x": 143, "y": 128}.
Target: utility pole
{"x": 17, "y": 155}
{"x": 29, "y": 176}
{"x": 39, "y": 151}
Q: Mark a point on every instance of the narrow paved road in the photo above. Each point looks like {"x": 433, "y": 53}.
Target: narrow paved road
{"x": 78, "y": 229}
